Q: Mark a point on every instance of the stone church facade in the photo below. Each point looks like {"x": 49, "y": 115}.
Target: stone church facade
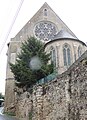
{"x": 64, "y": 46}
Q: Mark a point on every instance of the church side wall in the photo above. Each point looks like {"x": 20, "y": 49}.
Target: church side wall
{"x": 9, "y": 106}
{"x": 10, "y": 82}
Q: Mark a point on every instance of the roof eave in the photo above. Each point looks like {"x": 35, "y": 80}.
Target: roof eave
{"x": 65, "y": 38}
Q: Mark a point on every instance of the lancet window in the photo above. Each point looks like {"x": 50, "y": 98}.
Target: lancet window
{"x": 79, "y": 51}
{"x": 67, "y": 55}
{"x": 53, "y": 56}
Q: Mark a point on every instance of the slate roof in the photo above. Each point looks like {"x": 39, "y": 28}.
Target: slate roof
{"x": 63, "y": 34}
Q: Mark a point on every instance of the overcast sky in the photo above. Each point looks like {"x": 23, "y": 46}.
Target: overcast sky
{"x": 72, "y": 12}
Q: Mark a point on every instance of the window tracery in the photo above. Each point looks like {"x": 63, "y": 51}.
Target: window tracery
{"x": 53, "y": 56}
{"x": 67, "y": 55}
{"x": 45, "y": 30}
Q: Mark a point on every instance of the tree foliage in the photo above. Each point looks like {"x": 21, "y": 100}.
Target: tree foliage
{"x": 22, "y": 70}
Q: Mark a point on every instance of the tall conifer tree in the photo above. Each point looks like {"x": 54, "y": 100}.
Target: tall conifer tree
{"x": 32, "y": 63}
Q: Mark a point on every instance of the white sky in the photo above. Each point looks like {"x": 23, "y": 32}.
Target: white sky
{"x": 72, "y": 12}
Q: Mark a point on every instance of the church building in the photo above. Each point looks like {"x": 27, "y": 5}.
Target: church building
{"x": 63, "y": 44}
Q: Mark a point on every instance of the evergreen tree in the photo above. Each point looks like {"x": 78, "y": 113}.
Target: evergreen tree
{"x": 32, "y": 63}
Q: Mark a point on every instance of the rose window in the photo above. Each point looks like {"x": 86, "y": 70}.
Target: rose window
{"x": 45, "y": 30}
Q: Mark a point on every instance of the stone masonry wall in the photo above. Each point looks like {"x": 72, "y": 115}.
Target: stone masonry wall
{"x": 64, "y": 98}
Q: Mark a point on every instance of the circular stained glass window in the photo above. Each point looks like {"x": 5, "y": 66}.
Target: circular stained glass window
{"x": 45, "y": 30}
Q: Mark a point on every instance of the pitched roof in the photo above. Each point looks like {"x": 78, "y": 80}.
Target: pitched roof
{"x": 63, "y": 34}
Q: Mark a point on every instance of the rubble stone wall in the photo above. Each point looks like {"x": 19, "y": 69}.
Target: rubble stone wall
{"x": 64, "y": 98}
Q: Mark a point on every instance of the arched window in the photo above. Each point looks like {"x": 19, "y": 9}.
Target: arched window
{"x": 53, "y": 56}
{"x": 45, "y": 12}
{"x": 79, "y": 51}
{"x": 67, "y": 55}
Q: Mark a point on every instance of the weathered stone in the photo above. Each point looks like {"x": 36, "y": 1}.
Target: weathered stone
{"x": 66, "y": 99}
